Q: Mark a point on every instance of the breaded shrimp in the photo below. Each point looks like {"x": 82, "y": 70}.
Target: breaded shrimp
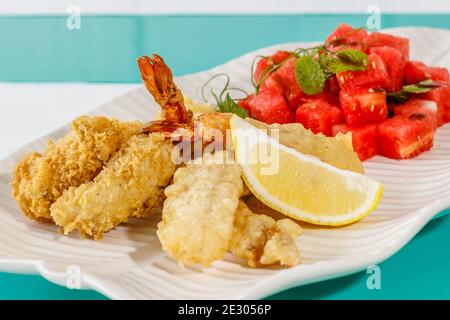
{"x": 261, "y": 240}
{"x": 131, "y": 185}
{"x": 40, "y": 179}
{"x": 177, "y": 121}
{"x": 199, "y": 211}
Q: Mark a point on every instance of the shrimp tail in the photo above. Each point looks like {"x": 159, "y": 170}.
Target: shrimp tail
{"x": 158, "y": 80}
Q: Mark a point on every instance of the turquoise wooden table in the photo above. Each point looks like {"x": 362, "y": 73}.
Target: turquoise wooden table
{"x": 42, "y": 49}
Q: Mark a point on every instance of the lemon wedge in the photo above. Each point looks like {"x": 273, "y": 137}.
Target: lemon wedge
{"x": 298, "y": 185}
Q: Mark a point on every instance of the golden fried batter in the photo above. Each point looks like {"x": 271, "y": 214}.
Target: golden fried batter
{"x": 131, "y": 185}
{"x": 39, "y": 180}
{"x": 337, "y": 151}
{"x": 261, "y": 240}
{"x": 199, "y": 211}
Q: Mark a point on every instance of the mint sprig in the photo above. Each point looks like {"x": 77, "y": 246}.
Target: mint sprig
{"x": 416, "y": 88}
{"x": 314, "y": 68}
{"x": 224, "y": 101}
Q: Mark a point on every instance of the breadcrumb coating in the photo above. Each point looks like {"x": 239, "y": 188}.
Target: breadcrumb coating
{"x": 199, "y": 211}
{"x": 40, "y": 179}
{"x": 261, "y": 240}
{"x": 131, "y": 185}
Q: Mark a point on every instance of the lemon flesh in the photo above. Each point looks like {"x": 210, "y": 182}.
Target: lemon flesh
{"x": 298, "y": 185}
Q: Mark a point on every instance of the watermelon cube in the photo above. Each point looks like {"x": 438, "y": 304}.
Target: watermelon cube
{"x": 446, "y": 95}
{"x": 319, "y": 116}
{"x": 376, "y": 75}
{"x": 285, "y": 77}
{"x": 405, "y": 137}
{"x": 439, "y": 74}
{"x": 245, "y": 103}
{"x": 416, "y": 71}
{"x": 364, "y": 138}
{"x": 330, "y": 93}
{"x": 344, "y": 36}
{"x": 395, "y": 64}
{"x": 271, "y": 84}
{"x": 265, "y": 63}
{"x": 440, "y": 96}
{"x": 364, "y": 106}
{"x": 418, "y": 108}
{"x": 270, "y": 107}
{"x": 378, "y": 39}
{"x": 329, "y": 97}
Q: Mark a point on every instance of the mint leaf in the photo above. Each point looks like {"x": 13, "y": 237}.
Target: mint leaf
{"x": 347, "y": 60}
{"x": 335, "y": 65}
{"x": 353, "y": 57}
{"x": 229, "y": 106}
{"x": 309, "y": 75}
{"x": 421, "y": 87}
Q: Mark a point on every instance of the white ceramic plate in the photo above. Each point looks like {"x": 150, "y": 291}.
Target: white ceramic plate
{"x": 129, "y": 264}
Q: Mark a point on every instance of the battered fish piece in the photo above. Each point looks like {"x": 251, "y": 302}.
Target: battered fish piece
{"x": 261, "y": 240}
{"x": 131, "y": 185}
{"x": 337, "y": 151}
{"x": 199, "y": 211}
{"x": 38, "y": 180}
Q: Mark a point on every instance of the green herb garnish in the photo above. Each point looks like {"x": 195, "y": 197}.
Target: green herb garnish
{"x": 309, "y": 74}
{"x": 347, "y": 60}
{"x": 224, "y": 101}
{"x": 314, "y": 65}
{"x": 229, "y": 106}
{"x": 420, "y": 87}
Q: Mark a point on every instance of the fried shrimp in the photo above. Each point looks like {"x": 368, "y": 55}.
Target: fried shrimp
{"x": 199, "y": 211}
{"x": 177, "y": 121}
{"x": 40, "y": 179}
{"x": 261, "y": 240}
{"x": 131, "y": 185}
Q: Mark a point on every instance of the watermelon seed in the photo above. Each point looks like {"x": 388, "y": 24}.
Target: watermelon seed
{"x": 417, "y": 116}
{"x": 376, "y": 90}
